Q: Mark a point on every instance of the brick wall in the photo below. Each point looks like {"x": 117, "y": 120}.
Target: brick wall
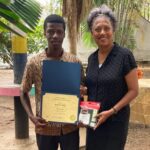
{"x": 140, "y": 107}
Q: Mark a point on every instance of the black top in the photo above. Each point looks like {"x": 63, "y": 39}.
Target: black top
{"x": 107, "y": 84}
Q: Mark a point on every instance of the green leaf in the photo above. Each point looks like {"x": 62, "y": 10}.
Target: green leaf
{"x": 28, "y": 18}
{"x": 23, "y": 14}
{"x": 17, "y": 23}
{"x": 88, "y": 40}
{"x": 9, "y": 13}
{"x": 24, "y": 9}
{"x": 6, "y": 2}
{"x": 9, "y": 28}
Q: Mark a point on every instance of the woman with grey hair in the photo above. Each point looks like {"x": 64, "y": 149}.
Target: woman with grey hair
{"x": 111, "y": 80}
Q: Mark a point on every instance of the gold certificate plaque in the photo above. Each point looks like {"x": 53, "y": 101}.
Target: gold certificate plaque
{"x": 60, "y": 108}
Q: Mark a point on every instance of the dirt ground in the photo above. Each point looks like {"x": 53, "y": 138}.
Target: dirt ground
{"x": 138, "y": 137}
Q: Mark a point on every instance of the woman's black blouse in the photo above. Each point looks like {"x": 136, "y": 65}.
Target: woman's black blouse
{"x": 107, "y": 84}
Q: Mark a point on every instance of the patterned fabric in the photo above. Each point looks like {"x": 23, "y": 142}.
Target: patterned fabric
{"x": 33, "y": 75}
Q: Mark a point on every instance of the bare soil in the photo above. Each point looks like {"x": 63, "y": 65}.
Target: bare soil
{"x": 138, "y": 137}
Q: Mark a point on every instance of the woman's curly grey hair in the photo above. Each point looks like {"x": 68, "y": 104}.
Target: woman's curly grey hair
{"x": 103, "y": 10}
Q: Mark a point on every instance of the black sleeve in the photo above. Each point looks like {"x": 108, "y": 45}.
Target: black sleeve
{"x": 129, "y": 62}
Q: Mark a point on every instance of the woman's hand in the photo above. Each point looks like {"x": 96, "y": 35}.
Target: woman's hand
{"x": 103, "y": 116}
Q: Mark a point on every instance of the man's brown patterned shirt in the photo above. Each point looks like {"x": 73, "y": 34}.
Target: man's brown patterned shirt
{"x": 33, "y": 75}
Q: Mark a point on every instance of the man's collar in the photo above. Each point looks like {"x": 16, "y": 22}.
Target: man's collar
{"x": 59, "y": 58}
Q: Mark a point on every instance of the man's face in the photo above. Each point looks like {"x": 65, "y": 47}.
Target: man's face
{"x": 54, "y": 32}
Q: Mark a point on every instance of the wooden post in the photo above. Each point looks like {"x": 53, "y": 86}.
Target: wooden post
{"x": 19, "y": 49}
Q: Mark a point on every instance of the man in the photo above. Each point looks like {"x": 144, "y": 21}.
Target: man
{"x": 49, "y": 135}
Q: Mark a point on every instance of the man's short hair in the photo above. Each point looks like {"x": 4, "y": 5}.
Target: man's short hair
{"x": 54, "y": 18}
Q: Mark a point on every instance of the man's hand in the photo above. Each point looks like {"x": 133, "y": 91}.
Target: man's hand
{"x": 83, "y": 90}
{"x": 39, "y": 122}
{"x": 81, "y": 125}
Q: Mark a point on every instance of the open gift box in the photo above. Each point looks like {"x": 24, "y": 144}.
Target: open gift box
{"x": 88, "y": 111}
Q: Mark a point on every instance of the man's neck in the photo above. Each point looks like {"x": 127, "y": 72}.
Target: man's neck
{"x": 54, "y": 53}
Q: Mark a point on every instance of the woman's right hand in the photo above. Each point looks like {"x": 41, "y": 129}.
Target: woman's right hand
{"x": 103, "y": 116}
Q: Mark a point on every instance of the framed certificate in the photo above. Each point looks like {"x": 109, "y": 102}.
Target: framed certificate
{"x": 60, "y": 108}
{"x": 60, "y": 91}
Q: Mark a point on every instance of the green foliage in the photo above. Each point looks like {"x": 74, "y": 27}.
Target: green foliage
{"x": 145, "y": 11}
{"x": 36, "y": 40}
{"x": 126, "y": 38}
{"x": 124, "y": 11}
{"x": 23, "y": 14}
{"x": 56, "y": 6}
{"x": 86, "y": 35}
{"x": 19, "y": 17}
{"x": 5, "y": 48}
{"x": 99, "y": 2}
{"x": 6, "y": 2}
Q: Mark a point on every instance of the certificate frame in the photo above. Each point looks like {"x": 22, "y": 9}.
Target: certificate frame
{"x": 60, "y": 79}
{"x": 61, "y": 108}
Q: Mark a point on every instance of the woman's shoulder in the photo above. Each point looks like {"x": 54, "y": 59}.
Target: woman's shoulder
{"x": 123, "y": 50}
{"x": 93, "y": 54}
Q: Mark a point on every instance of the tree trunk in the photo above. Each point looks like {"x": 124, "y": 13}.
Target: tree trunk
{"x": 70, "y": 12}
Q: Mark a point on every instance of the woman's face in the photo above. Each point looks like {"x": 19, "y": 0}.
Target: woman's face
{"x": 102, "y": 31}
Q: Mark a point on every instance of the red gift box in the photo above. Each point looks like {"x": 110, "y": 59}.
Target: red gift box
{"x": 88, "y": 111}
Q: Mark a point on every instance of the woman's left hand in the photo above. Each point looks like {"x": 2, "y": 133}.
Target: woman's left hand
{"x": 102, "y": 117}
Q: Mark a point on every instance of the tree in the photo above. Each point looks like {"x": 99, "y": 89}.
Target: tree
{"x": 19, "y": 17}
{"x": 124, "y": 10}
{"x": 145, "y": 11}
{"x": 74, "y": 11}
{"x": 5, "y": 48}
{"x": 36, "y": 40}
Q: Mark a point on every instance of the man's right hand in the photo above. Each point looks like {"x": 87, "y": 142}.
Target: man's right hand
{"x": 83, "y": 90}
{"x": 39, "y": 122}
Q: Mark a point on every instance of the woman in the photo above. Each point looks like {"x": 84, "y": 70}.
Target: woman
{"x": 111, "y": 80}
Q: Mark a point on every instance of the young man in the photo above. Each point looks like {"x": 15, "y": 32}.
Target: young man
{"x": 49, "y": 135}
